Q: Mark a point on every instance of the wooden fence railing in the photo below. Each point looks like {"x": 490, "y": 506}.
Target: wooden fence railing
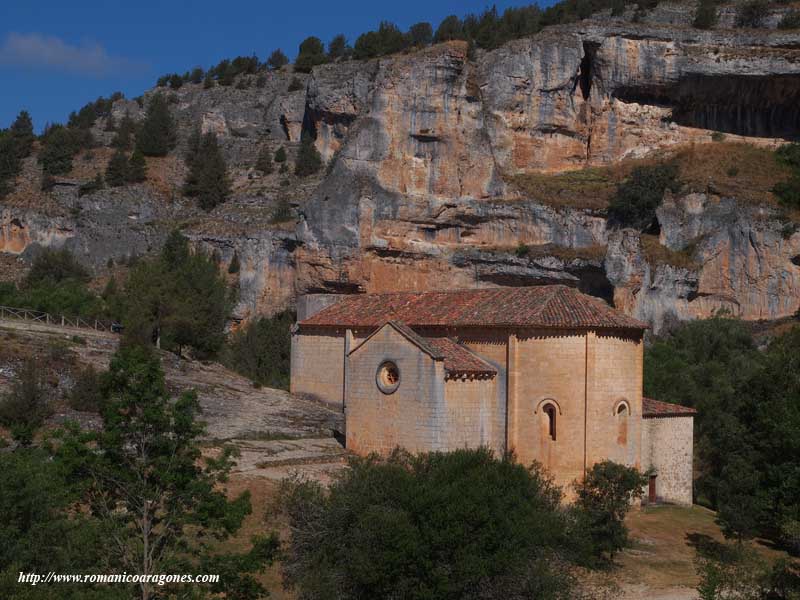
{"x": 36, "y": 316}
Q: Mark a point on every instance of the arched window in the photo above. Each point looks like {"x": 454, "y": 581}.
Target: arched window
{"x": 550, "y": 412}
{"x": 621, "y": 414}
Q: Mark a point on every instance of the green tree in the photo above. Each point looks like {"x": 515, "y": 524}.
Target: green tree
{"x": 207, "y": 179}
{"x": 461, "y": 524}
{"x": 234, "y": 265}
{"x": 126, "y": 130}
{"x": 450, "y": 28}
{"x": 60, "y": 144}
{"x": 638, "y": 197}
{"x": 308, "y": 160}
{"x": 157, "y": 135}
{"x": 311, "y": 54}
{"x": 264, "y": 161}
{"x": 55, "y": 266}
{"x": 25, "y": 407}
{"x": 337, "y": 47}
{"x": 117, "y": 171}
{"x": 420, "y": 34}
{"x": 261, "y": 350}
{"x": 162, "y": 505}
{"x": 280, "y": 155}
{"x": 21, "y": 132}
{"x": 179, "y": 299}
{"x": 604, "y": 498}
{"x": 277, "y": 60}
{"x": 752, "y": 14}
{"x": 137, "y": 167}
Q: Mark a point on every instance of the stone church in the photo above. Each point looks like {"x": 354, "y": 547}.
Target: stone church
{"x": 547, "y": 372}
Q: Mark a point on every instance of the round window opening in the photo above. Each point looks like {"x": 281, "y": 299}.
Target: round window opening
{"x": 388, "y": 377}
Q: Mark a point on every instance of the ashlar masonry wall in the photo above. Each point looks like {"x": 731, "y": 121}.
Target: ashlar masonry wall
{"x": 667, "y": 447}
{"x": 317, "y": 365}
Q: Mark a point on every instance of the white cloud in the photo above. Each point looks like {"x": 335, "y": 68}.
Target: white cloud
{"x": 37, "y": 51}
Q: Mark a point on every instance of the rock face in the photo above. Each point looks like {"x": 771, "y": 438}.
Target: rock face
{"x": 424, "y": 150}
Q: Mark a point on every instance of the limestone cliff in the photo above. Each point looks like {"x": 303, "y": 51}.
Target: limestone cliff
{"x": 431, "y": 156}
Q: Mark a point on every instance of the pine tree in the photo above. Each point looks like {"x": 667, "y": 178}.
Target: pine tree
{"x": 308, "y": 159}
{"x": 117, "y": 171}
{"x": 311, "y": 54}
{"x": 207, "y": 179}
{"x": 126, "y": 129}
{"x": 277, "y": 60}
{"x": 264, "y": 161}
{"x": 137, "y": 168}
{"x": 22, "y": 134}
{"x": 157, "y": 135}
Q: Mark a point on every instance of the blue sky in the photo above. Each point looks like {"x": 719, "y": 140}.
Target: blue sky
{"x": 56, "y": 55}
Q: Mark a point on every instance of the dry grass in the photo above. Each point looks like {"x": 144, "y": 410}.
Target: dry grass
{"x": 656, "y": 254}
{"x": 566, "y": 254}
{"x": 736, "y": 169}
{"x": 664, "y": 538}
{"x": 743, "y": 171}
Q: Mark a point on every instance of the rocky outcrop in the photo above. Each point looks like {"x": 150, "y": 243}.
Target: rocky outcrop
{"x": 424, "y": 151}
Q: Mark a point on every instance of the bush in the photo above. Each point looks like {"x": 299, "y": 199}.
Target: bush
{"x": 280, "y": 155}
{"x": 791, "y": 20}
{"x": 420, "y": 34}
{"x": 86, "y": 393}
{"x": 337, "y": 48}
{"x": 282, "y": 212}
{"x": 295, "y": 85}
{"x": 234, "y": 266}
{"x": 454, "y": 525}
{"x": 55, "y": 266}
{"x": 638, "y": 197}
{"x": 261, "y": 350}
{"x": 752, "y": 14}
{"x": 604, "y": 498}
{"x": 91, "y": 186}
{"x": 277, "y": 60}
{"x": 264, "y": 161}
{"x": 706, "y": 15}
{"x": 25, "y": 407}
{"x": 311, "y": 54}
{"x": 308, "y": 160}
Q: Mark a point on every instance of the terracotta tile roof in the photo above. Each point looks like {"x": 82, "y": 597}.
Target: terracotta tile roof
{"x": 537, "y": 306}
{"x": 459, "y": 360}
{"x": 652, "y": 409}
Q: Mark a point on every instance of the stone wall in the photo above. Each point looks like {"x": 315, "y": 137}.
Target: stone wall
{"x": 473, "y": 418}
{"x": 586, "y": 376}
{"x": 667, "y": 447}
{"x": 414, "y": 416}
{"x": 317, "y": 365}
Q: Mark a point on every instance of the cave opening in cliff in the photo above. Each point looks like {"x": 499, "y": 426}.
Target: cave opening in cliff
{"x": 747, "y": 105}
{"x": 585, "y": 76}
{"x": 654, "y": 228}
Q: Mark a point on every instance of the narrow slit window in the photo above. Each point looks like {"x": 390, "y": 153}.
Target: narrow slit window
{"x": 550, "y": 411}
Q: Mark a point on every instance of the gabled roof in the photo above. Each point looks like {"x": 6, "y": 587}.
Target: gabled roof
{"x": 555, "y": 306}
{"x": 652, "y": 409}
{"x": 458, "y": 360}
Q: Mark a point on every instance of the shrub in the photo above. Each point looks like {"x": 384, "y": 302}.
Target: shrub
{"x": 791, "y": 20}
{"x": 420, "y": 34}
{"x": 308, "y": 160}
{"x": 25, "y": 407}
{"x": 311, "y": 54}
{"x": 86, "y": 393}
{"x": 637, "y": 198}
{"x": 604, "y": 498}
{"x": 453, "y": 525}
{"x": 295, "y": 85}
{"x": 282, "y": 212}
{"x": 91, "y": 186}
{"x": 280, "y": 155}
{"x": 337, "y": 47}
{"x": 262, "y": 349}
{"x": 264, "y": 161}
{"x": 752, "y": 14}
{"x": 706, "y": 15}
{"x": 234, "y": 266}
{"x": 277, "y": 59}
{"x": 55, "y": 266}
